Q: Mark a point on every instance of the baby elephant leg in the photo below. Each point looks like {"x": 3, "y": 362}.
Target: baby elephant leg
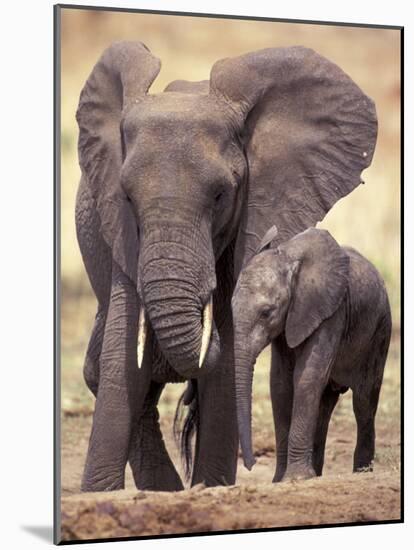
{"x": 151, "y": 465}
{"x": 365, "y": 395}
{"x": 365, "y": 401}
{"x": 311, "y": 374}
{"x": 328, "y": 401}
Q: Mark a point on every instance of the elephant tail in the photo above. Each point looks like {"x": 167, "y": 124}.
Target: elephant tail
{"x": 186, "y": 424}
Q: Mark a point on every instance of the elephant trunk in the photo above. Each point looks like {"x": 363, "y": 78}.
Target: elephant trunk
{"x": 244, "y": 365}
{"x": 178, "y": 303}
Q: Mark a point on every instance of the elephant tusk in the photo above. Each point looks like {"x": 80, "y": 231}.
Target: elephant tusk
{"x": 207, "y": 325}
{"x": 142, "y": 335}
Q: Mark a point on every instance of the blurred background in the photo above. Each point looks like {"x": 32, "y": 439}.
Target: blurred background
{"x": 368, "y": 219}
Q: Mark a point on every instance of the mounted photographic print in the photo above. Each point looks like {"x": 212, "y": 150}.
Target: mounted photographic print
{"x": 228, "y": 247}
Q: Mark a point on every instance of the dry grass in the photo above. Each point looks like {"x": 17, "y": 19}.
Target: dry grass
{"x": 368, "y": 219}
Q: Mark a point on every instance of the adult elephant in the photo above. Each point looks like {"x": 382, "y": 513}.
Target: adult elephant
{"x": 177, "y": 189}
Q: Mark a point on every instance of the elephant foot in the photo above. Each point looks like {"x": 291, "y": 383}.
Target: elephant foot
{"x": 161, "y": 479}
{"x": 278, "y": 477}
{"x": 92, "y": 486}
{"x": 298, "y": 472}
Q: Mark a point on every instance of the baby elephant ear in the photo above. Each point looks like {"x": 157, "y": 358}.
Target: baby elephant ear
{"x": 270, "y": 236}
{"x": 308, "y": 132}
{"x": 320, "y": 285}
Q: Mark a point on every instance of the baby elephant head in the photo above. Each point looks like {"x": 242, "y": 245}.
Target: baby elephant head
{"x": 290, "y": 289}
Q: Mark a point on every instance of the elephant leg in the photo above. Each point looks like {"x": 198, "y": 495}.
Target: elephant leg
{"x": 118, "y": 393}
{"x": 91, "y": 376}
{"x": 365, "y": 396}
{"x": 281, "y": 391}
{"x": 164, "y": 477}
{"x": 365, "y": 402}
{"x": 216, "y": 449}
{"x": 151, "y": 465}
{"x": 328, "y": 401}
{"x": 311, "y": 374}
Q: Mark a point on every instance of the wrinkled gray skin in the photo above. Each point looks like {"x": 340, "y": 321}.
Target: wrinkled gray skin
{"x": 326, "y": 313}
{"x": 176, "y": 188}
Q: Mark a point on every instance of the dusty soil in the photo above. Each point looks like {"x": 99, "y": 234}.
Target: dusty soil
{"x": 338, "y": 497}
{"x": 334, "y": 499}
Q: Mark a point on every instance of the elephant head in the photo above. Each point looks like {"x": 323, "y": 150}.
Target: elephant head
{"x": 182, "y": 176}
{"x": 290, "y": 289}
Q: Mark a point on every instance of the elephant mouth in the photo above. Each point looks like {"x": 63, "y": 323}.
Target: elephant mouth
{"x": 209, "y": 348}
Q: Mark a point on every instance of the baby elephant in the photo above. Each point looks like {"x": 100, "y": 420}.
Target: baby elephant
{"x": 325, "y": 310}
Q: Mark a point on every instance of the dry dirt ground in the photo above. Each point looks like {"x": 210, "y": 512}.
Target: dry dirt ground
{"x": 334, "y": 499}
{"x": 254, "y": 502}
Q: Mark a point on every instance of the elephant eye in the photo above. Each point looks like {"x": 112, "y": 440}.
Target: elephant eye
{"x": 266, "y": 313}
{"x": 218, "y": 196}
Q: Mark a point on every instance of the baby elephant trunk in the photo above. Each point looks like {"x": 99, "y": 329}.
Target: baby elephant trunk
{"x": 244, "y": 364}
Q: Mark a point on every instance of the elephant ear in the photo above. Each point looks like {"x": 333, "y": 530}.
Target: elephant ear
{"x": 188, "y": 87}
{"x": 308, "y": 132}
{"x": 320, "y": 284}
{"x": 120, "y": 78}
